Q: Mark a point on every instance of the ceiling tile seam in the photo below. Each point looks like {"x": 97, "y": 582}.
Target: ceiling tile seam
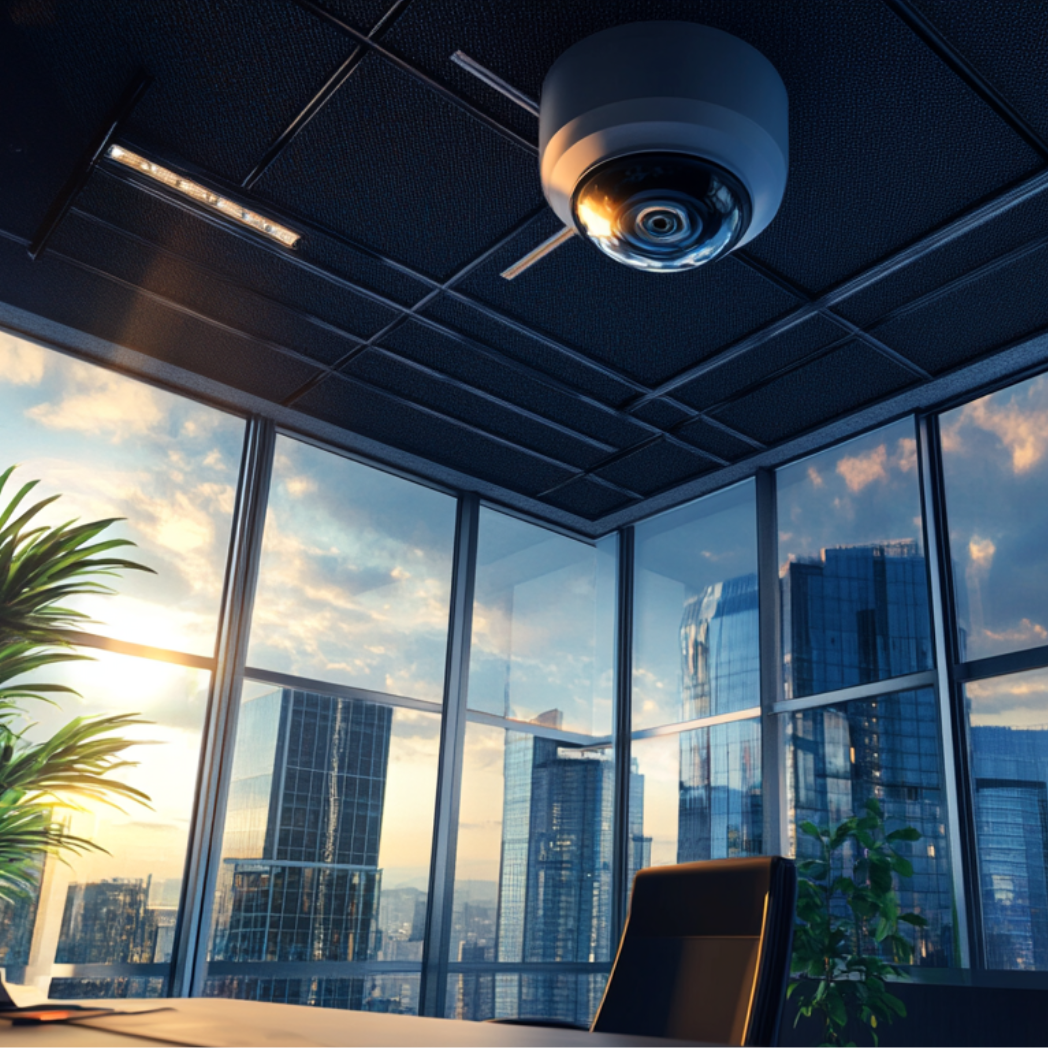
{"x": 468, "y": 427}
{"x": 755, "y": 265}
{"x": 958, "y": 63}
{"x": 216, "y": 275}
{"x": 403, "y": 312}
{"x": 972, "y": 276}
{"x": 549, "y": 492}
{"x": 321, "y": 98}
{"x": 413, "y": 71}
{"x": 716, "y": 423}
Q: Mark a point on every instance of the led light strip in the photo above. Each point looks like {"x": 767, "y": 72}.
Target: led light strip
{"x": 203, "y": 195}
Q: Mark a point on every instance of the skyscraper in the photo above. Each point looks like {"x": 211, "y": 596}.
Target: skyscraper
{"x": 300, "y": 878}
{"x": 721, "y": 814}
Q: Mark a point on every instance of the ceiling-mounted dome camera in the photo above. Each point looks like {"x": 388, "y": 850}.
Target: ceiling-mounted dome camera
{"x": 664, "y": 143}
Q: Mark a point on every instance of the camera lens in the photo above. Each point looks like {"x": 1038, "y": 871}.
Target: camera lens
{"x": 661, "y": 212}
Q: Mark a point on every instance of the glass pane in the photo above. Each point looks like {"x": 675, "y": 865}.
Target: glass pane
{"x": 696, "y": 795}
{"x": 115, "y": 912}
{"x": 543, "y": 626}
{"x": 841, "y": 756}
{"x": 996, "y": 477}
{"x": 852, "y": 569}
{"x": 695, "y": 636}
{"x": 355, "y": 579}
{"x": 534, "y": 827}
{"x": 115, "y": 447}
{"x": 1009, "y": 756}
{"x": 325, "y": 854}
{"x": 477, "y": 995}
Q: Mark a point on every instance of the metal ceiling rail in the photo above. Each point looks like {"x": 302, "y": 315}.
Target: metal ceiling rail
{"x": 321, "y": 97}
{"x": 413, "y": 71}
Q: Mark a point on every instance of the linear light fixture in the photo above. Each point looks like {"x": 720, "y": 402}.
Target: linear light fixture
{"x": 203, "y": 195}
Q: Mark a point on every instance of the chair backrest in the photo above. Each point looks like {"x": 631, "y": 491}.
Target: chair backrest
{"x": 705, "y": 953}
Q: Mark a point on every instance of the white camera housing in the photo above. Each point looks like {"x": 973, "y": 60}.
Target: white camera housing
{"x": 665, "y": 143}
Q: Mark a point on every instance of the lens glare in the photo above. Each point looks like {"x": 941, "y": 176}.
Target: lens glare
{"x": 661, "y": 212}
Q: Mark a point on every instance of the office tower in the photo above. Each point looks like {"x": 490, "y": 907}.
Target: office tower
{"x": 1010, "y": 772}
{"x": 475, "y": 997}
{"x": 860, "y": 614}
{"x": 555, "y": 877}
{"x": 107, "y": 922}
{"x": 721, "y": 814}
{"x": 300, "y": 879}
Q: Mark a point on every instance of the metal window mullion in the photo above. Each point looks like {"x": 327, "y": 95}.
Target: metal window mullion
{"x": 205, "y": 846}
{"x": 960, "y": 812}
{"x": 439, "y": 913}
{"x": 621, "y": 733}
{"x": 773, "y": 726}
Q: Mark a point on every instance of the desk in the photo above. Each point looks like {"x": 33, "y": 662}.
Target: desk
{"x": 218, "y": 1021}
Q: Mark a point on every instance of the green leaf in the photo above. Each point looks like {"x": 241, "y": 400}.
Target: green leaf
{"x": 915, "y": 919}
{"x": 811, "y": 830}
{"x": 907, "y": 833}
{"x": 903, "y": 867}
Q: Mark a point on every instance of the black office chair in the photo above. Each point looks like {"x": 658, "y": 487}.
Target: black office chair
{"x": 705, "y": 954}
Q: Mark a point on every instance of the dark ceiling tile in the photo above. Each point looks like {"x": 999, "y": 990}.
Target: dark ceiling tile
{"x": 450, "y": 398}
{"x": 993, "y": 308}
{"x": 360, "y": 14}
{"x": 1011, "y": 229}
{"x": 57, "y": 290}
{"x": 587, "y": 498}
{"x": 143, "y": 266}
{"x": 656, "y": 466}
{"x": 228, "y": 77}
{"x": 879, "y": 127}
{"x": 466, "y": 363}
{"x": 254, "y": 262}
{"x": 661, "y": 413}
{"x": 819, "y": 392}
{"x": 758, "y": 363}
{"x": 713, "y": 439}
{"x": 371, "y": 413}
{"x": 1007, "y": 43}
{"x": 392, "y": 164}
{"x": 528, "y": 350}
{"x": 647, "y": 325}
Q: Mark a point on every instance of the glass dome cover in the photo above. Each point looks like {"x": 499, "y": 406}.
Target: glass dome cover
{"x": 663, "y": 212}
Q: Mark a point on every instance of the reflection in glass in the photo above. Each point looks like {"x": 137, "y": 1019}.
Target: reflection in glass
{"x": 355, "y": 578}
{"x": 852, "y": 567}
{"x": 1009, "y": 760}
{"x": 996, "y": 478}
{"x": 310, "y": 819}
{"x": 543, "y": 625}
{"x": 533, "y": 874}
{"x": 695, "y": 626}
{"x": 115, "y": 912}
{"x": 115, "y": 447}
{"x": 888, "y": 748}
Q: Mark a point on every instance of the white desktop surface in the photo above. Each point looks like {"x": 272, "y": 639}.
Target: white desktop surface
{"x": 220, "y": 1022}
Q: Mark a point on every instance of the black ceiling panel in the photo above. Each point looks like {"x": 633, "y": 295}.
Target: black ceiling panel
{"x": 587, "y": 498}
{"x": 707, "y": 437}
{"x": 450, "y": 398}
{"x": 531, "y": 351}
{"x": 759, "y": 363}
{"x": 242, "y": 259}
{"x": 372, "y": 414}
{"x": 843, "y": 381}
{"x": 392, "y": 164}
{"x": 661, "y": 413}
{"x": 1013, "y": 228}
{"x": 646, "y": 325}
{"x": 998, "y": 305}
{"x": 59, "y": 291}
{"x": 1007, "y": 43}
{"x": 228, "y": 77}
{"x": 655, "y": 467}
{"x": 465, "y": 362}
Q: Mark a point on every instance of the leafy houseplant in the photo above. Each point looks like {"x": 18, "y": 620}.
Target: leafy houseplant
{"x": 41, "y": 567}
{"x": 848, "y": 924}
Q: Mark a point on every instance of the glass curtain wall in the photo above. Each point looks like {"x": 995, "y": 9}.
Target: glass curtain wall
{"x": 334, "y": 690}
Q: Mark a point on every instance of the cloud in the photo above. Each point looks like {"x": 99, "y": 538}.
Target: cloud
{"x": 1022, "y": 431}
{"x": 859, "y": 471}
{"x": 102, "y": 403}
{"x": 981, "y": 551}
{"x": 906, "y": 455}
{"x": 815, "y": 477}
{"x": 299, "y": 486}
{"x": 1026, "y": 632}
{"x": 21, "y": 363}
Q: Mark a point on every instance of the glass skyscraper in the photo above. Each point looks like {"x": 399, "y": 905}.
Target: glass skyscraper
{"x": 300, "y": 879}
